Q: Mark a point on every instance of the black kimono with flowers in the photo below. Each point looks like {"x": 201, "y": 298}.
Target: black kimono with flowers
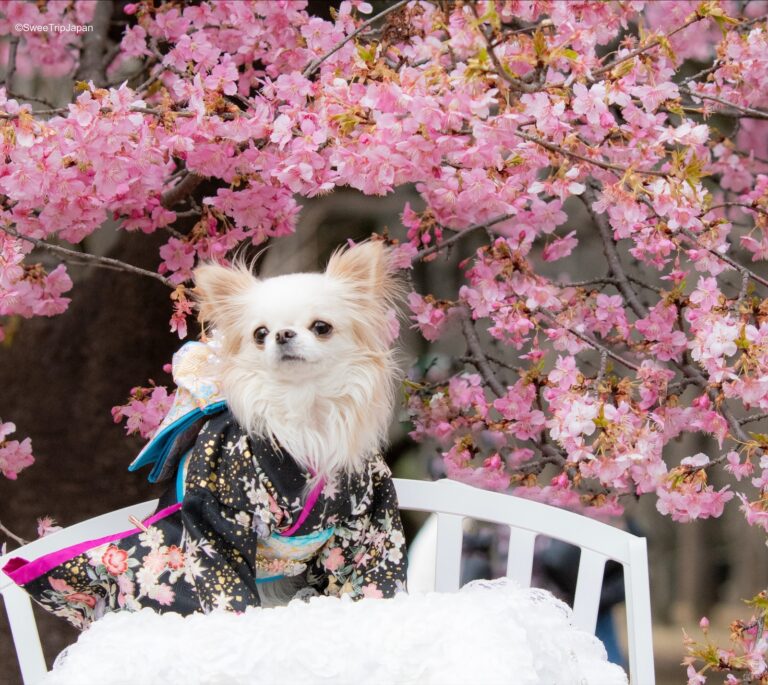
{"x": 237, "y": 516}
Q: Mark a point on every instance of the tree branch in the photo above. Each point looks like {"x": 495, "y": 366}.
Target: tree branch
{"x": 748, "y": 112}
{"x": 458, "y": 236}
{"x": 21, "y": 96}
{"x": 739, "y": 267}
{"x": 11, "y": 535}
{"x": 754, "y": 417}
{"x": 592, "y": 343}
{"x": 737, "y": 431}
{"x": 589, "y": 197}
{"x": 596, "y": 162}
{"x": 607, "y": 280}
{"x": 181, "y": 190}
{"x": 13, "y": 47}
{"x": 92, "y": 67}
{"x": 314, "y": 65}
{"x": 480, "y": 360}
{"x": 752, "y": 207}
{"x": 516, "y": 83}
{"x": 640, "y": 51}
{"x": 86, "y": 257}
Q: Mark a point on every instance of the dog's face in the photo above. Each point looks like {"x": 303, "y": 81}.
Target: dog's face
{"x": 294, "y": 326}
{"x": 307, "y": 357}
{"x": 301, "y": 326}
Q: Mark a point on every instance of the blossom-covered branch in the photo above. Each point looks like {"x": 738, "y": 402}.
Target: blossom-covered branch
{"x": 87, "y": 258}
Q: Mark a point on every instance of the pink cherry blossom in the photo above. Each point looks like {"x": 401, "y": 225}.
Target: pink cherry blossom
{"x": 429, "y": 316}
{"x": 14, "y": 455}
{"x": 145, "y": 410}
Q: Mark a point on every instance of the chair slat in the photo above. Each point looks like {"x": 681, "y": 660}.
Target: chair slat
{"x": 520, "y": 555}
{"x": 638, "y": 602}
{"x": 588, "y": 589}
{"x": 26, "y": 639}
{"x": 448, "y": 558}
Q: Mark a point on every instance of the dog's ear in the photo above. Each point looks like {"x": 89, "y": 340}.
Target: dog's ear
{"x": 216, "y": 291}
{"x": 364, "y": 266}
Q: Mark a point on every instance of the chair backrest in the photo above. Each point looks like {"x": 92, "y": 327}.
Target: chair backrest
{"x": 18, "y": 606}
{"x": 451, "y": 502}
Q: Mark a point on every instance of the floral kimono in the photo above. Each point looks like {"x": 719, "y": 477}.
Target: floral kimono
{"x": 237, "y": 515}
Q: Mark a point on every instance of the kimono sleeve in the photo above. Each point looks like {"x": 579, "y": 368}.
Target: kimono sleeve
{"x": 224, "y": 510}
{"x": 366, "y": 555}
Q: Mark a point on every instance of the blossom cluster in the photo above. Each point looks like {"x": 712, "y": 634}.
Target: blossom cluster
{"x": 144, "y": 411}
{"x": 15, "y": 455}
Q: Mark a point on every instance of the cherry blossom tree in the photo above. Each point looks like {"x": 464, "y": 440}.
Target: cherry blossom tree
{"x": 507, "y": 116}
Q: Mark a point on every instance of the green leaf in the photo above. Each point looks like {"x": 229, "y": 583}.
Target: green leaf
{"x": 367, "y": 54}
{"x": 539, "y": 44}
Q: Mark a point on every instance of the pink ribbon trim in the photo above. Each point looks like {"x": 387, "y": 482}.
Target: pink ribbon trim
{"x": 311, "y": 501}
{"x": 21, "y": 571}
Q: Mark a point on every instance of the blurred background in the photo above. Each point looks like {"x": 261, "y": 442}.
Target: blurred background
{"x": 60, "y": 377}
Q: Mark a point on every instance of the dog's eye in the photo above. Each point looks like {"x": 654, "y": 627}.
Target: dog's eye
{"x": 321, "y": 328}
{"x": 260, "y": 335}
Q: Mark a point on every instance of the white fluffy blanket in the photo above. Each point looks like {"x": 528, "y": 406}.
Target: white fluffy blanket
{"x": 489, "y": 632}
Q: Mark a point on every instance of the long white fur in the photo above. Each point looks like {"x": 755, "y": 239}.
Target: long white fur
{"x": 331, "y": 411}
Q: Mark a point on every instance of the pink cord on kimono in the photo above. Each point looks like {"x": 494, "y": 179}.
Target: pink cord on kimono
{"x": 311, "y": 500}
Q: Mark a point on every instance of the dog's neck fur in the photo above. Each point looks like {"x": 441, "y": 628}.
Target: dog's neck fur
{"x": 337, "y": 427}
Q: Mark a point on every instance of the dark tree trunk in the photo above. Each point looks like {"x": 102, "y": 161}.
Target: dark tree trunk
{"x": 59, "y": 379}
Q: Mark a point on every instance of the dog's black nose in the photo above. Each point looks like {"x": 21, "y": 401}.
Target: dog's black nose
{"x": 284, "y": 336}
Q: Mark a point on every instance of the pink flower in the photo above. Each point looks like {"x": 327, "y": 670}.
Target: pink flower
{"x": 591, "y": 104}
{"x": 281, "y": 131}
{"x": 560, "y": 248}
{"x": 565, "y": 372}
{"x": 163, "y": 594}
{"x": 756, "y": 513}
{"x": 115, "y": 560}
{"x": 81, "y": 598}
{"x": 688, "y": 501}
{"x": 697, "y": 461}
{"x": 178, "y": 258}
{"x": 14, "y": 455}
{"x": 134, "y": 43}
{"x": 578, "y": 418}
{"x": 428, "y": 315}
{"x": 223, "y": 76}
{"x": 371, "y": 591}
{"x": 145, "y": 410}
{"x": 46, "y": 525}
{"x": 403, "y": 255}
{"x": 155, "y": 562}
{"x": 174, "y": 557}
{"x": 334, "y": 559}
{"x": 694, "y": 677}
{"x": 735, "y": 467}
{"x": 706, "y": 294}
{"x": 653, "y": 95}
{"x": 59, "y": 585}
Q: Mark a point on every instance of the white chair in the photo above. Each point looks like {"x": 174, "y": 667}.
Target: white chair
{"x": 451, "y": 502}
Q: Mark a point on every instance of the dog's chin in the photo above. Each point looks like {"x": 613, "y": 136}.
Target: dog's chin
{"x": 291, "y": 359}
{"x": 290, "y": 365}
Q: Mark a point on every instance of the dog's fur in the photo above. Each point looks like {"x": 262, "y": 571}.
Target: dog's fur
{"x": 327, "y": 398}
